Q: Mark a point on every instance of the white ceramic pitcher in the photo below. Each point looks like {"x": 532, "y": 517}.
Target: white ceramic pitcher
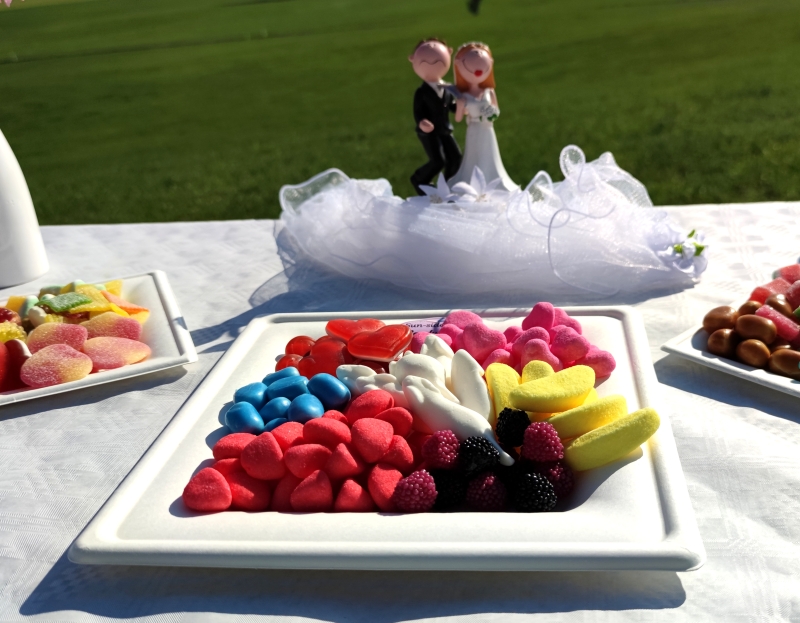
{"x": 22, "y": 254}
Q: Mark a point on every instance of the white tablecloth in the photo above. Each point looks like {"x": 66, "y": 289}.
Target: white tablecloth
{"x": 61, "y": 457}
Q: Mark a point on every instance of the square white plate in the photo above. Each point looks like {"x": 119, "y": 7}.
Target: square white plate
{"x": 164, "y": 332}
{"x": 691, "y": 345}
{"x": 635, "y": 514}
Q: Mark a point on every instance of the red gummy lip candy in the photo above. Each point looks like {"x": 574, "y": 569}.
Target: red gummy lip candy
{"x": 345, "y": 329}
{"x": 382, "y": 345}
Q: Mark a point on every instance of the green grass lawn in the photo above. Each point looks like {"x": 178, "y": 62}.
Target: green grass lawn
{"x": 155, "y": 110}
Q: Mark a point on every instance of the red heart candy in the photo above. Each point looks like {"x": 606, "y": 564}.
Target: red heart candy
{"x": 288, "y": 361}
{"x": 300, "y": 345}
{"x": 325, "y": 356}
{"x": 345, "y": 329}
{"x": 382, "y": 345}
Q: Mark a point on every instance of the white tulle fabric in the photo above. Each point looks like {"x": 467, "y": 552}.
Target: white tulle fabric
{"x": 595, "y": 234}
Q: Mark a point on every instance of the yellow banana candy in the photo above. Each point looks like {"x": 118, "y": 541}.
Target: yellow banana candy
{"x": 558, "y": 392}
{"x": 536, "y": 370}
{"x": 500, "y": 379}
{"x": 589, "y": 416}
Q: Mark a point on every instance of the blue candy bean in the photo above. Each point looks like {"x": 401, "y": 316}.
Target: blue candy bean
{"x": 275, "y": 408}
{"x": 254, "y": 393}
{"x": 243, "y": 418}
{"x": 331, "y": 391}
{"x": 273, "y": 424}
{"x": 304, "y": 408}
{"x": 280, "y": 374}
{"x": 290, "y": 387}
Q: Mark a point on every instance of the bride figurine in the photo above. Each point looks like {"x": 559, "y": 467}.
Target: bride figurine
{"x": 474, "y": 77}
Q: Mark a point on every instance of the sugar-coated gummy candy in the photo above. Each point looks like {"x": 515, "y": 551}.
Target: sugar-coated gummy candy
{"x": 501, "y": 380}
{"x": 368, "y": 405}
{"x": 254, "y": 393}
{"x": 70, "y": 287}
{"x": 344, "y": 463}
{"x": 65, "y": 302}
{"x": 563, "y": 390}
{"x": 479, "y": 340}
{"x": 313, "y": 495}
{"x": 326, "y": 432}
{"x": 787, "y": 329}
{"x": 277, "y": 408}
{"x": 793, "y": 295}
{"x": 399, "y": 455}
{"x": 381, "y": 483}
{"x": 304, "y": 408}
{"x": 231, "y": 446}
{"x": 353, "y": 498}
{"x": 114, "y": 287}
{"x": 776, "y": 286}
{"x": 613, "y": 441}
{"x": 280, "y": 374}
{"x": 288, "y": 434}
{"x": 281, "y": 496}
{"x": 247, "y": 493}
{"x": 273, "y": 424}
{"x": 108, "y": 353}
{"x": 127, "y": 306}
{"x": 11, "y": 331}
{"x": 382, "y": 345}
{"x": 580, "y": 420}
{"x": 45, "y": 335}
{"x": 243, "y": 417}
{"x": 262, "y": 458}
{"x": 9, "y": 315}
{"x": 400, "y": 419}
{"x": 331, "y": 392}
{"x": 371, "y": 438}
{"x": 304, "y": 459}
{"x": 53, "y": 365}
{"x": 207, "y": 492}
{"x": 461, "y": 318}
{"x": 98, "y": 302}
{"x": 290, "y": 387}
{"x": 14, "y": 303}
{"x": 109, "y": 324}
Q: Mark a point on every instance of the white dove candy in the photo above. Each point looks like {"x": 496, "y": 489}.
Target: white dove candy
{"x": 428, "y": 405}
{"x": 386, "y": 382}
{"x": 466, "y": 376}
{"x": 349, "y": 374}
{"x": 436, "y": 347}
{"x": 424, "y": 367}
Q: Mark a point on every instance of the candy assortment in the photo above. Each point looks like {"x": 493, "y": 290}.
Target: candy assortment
{"x": 67, "y": 332}
{"x": 372, "y": 417}
{"x": 764, "y": 332}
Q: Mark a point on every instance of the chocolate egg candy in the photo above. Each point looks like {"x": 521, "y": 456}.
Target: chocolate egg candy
{"x": 749, "y": 308}
{"x": 753, "y": 327}
{"x": 779, "y": 302}
{"x": 720, "y": 318}
{"x": 779, "y": 344}
{"x": 753, "y": 352}
{"x": 723, "y": 342}
{"x": 785, "y": 362}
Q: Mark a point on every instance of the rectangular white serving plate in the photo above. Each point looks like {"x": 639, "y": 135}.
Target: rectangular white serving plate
{"x": 691, "y": 345}
{"x": 164, "y": 332}
{"x": 634, "y": 514}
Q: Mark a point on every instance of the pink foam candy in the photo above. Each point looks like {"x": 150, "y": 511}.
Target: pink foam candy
{"x": 563, "y": 318}
{"x": 455, "y": 333}
{"x": 461, "y": 318}
{"x": 534, "y": 333}
{"x": 50, "y": 333}
{"x": 601, "y": 361}
{"x": 53, "y": 365}
{"x": 538, "y": 350}
{"x": 416, "y": 341}
{"x": 542, "y": 315}
{"x": 787, "y": 329}
{"x": 108, "y": 353}
{"x": 480, "y": 340}
{"x": 446, "y": 339}
{"x": 512, "y": 333}
{"x": 568, "y": 345}
{"x": 110, "y": 324}
{"x": 501, "y": 355}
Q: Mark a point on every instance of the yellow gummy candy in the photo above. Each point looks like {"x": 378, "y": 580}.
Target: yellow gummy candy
{"x": 11, "y": 331}
{"x": 118, "y": 310}
{"x": 99, "y": 302}
{"x": 561, "y": 391}
{"x": 14, "y": 303}
{"x": 536, "y": 370}
{"x": 115, "y": 287}
{"x": 534, "y": 416}
{"x": 580, "y": 420}
{"x": 50, "y": 318}
{"x": 592, "y": 397}
{"x": 500, "y": 379}
{"x": 613, "y": 441}
{"x": 141, "y": 317}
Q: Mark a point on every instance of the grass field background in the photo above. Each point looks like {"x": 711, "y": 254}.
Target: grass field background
{"x": 158, "y": 110}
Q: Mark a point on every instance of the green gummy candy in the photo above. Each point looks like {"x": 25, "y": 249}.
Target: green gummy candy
{"x": 65, "y": 302}
{"x": 54, "y": 290}
{"x": 796, "y": 312}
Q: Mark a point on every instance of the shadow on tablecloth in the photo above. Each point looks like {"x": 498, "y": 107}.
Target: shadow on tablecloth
{"x": 382, "y": 597}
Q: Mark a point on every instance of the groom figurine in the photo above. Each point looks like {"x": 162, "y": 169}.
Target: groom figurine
{"x": 433, "y": 103}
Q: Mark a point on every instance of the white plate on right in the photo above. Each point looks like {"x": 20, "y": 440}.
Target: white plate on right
{"x": 691, "y": 345}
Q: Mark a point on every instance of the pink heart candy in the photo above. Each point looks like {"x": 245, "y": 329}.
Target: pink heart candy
{"x": 542, "y": 315}
{"x": 417, "y": 340}
{"x": 537, "y": 350}
{"x": 568, "y": 345}
{"x": 479, "y": 340}
{"x": 445, "y": 338}
{"x": 563, "y": 318}
{"x": 534, "y": 333}
{"x": 512, "y": 333}
{"x": 452, "y": 330}
{"x": 601, "y": 361}
{"x": 501, "y": 355}
{"x": 461, "y": 318}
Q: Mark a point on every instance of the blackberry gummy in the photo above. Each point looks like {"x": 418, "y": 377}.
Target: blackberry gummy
{"x": 511, "y": 425}
{"x": 476, "y": 455}
{"x": 451, "y": 487}
{"x": 534, "y": 494}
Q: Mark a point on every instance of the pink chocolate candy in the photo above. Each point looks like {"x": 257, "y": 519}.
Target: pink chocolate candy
{"x": 53, "y": 365}
{"x": 538, "y": 350}
{"x": 108, "y": 353}
{"x": 480, "y": 340}
{"x": 563, "y": 318}
{"x": 568, "y": 345}
{"x": 50, "y": 333}
{"x": 501, "y": 355}
{"x": 534, "y": 333}
{"x": 110, "y": 324}
{"x": 542, "y": 315}
{"x": 602, "y": 362}
{"x": 787, "y": 329}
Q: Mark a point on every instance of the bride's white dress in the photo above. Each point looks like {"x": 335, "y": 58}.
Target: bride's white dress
{"x": 480, "y": 148}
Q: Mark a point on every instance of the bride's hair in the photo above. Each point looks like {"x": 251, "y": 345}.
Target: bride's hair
{"x": 461, "y": 84}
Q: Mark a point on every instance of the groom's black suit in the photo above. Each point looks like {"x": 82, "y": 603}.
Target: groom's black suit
{"x": 439, "y": 144}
